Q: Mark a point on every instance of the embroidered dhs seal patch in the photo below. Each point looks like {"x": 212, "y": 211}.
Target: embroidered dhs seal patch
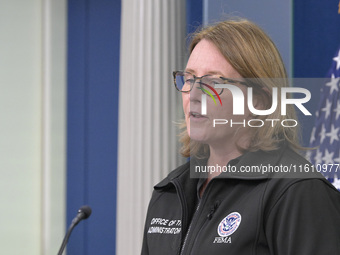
{"x": 229, "y": 224}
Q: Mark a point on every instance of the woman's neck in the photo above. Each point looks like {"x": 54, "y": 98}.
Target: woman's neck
{"x": 222, "y": 153}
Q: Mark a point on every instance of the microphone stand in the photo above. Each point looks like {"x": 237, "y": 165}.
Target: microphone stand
{"x": 83, "y": 213}
{"x": 67, "y": 236}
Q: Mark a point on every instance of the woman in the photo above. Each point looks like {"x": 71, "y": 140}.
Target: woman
{"x": 214, "y": 204}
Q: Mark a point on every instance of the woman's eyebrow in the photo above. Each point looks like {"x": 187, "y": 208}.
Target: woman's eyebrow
{"x": 215, "y": 73}
{"x": 208, "y": 73}
{"x": 189, "y": 71}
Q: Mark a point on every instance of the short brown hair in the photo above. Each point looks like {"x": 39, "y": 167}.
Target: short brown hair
{"x": 253, "y": 55}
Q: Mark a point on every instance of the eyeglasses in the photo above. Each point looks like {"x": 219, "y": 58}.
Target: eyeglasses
{"x": 184, "y": 82}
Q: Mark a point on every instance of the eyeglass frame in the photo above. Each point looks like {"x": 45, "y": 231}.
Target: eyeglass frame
{"x": 227, "y": 80}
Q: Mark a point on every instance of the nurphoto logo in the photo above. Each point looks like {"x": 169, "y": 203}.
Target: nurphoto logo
{"x": 239, "y": 103}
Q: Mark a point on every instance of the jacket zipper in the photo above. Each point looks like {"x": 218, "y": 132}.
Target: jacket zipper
{"x": 194, "y": 218}
{"x": 183, "y": 203}
{"x": 208, "y": 218}
{"x": 186, "y": 236}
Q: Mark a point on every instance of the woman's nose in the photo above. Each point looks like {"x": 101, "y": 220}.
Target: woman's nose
{"x": 196, "y": 92}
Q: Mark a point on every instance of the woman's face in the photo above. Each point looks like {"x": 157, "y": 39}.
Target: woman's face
{"x": 206, "y": 59}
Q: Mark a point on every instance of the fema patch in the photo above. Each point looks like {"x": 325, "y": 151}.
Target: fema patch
{"x": 229, "y": 224}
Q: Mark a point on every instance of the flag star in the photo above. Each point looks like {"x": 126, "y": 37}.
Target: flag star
{"x": 318, "y": 157}
{"x": 336, "y": 182}
{"x": 322, "y": 133}
{"x": 337, "y": 159}
{"x": 308, "y": 155}
{"x": 337, "y": 59}
{"x": 327, "y": 108}
{"x": 333, "y": 84}
{"x": 328, "y": 157}
{"x": 333, "y": 134}
{"x": 312, "y": 136}
{"x": 337, "y": 110}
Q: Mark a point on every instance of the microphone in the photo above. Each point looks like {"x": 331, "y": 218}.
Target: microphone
{"x": 83, "y": 213}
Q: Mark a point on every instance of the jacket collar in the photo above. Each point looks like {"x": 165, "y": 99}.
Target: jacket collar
{"x": 180, "y": 172}
{"x": 254, "y": 160}
{"x": 249, "y": 159}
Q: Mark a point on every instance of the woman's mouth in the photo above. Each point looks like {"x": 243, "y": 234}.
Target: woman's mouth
{"x": 196, "y": 116}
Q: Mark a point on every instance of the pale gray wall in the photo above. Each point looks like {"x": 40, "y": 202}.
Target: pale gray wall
{"x": 32, "y": 125}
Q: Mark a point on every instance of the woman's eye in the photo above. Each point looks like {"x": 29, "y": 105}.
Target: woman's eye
{"x": 189, "y": 81}
{"x": 216, "y": 82}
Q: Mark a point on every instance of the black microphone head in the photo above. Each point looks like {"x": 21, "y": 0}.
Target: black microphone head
{"x": 86, "y": 210}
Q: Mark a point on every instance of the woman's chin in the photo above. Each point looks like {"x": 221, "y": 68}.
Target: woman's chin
{"x": 197, "y": 137}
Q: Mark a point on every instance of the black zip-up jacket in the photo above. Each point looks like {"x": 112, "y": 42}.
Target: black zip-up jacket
{"x": 245, "y": 214}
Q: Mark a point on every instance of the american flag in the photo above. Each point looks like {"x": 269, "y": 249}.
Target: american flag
{"x": 326, "y": 132}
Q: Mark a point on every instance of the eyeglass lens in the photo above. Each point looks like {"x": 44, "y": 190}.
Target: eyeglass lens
{"x": 185, "y": 82}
